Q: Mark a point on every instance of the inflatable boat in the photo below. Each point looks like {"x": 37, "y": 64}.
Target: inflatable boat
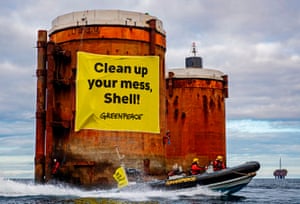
{"x": 227, "y": 181}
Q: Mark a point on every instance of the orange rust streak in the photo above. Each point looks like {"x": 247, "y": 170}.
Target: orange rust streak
{"x": 123, "y": 33}
{"x": 196, "y": 83}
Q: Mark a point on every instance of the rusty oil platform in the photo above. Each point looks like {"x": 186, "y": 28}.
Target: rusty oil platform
{"x": 191, "y": 102}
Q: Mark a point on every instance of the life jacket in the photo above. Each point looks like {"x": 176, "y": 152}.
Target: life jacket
{"x": 218, "y": 165}
{"x": 55, "y": 167}
{"x": 196, "y": 169}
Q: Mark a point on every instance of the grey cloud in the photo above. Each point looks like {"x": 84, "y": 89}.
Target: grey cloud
{"x": 17, "y": 92}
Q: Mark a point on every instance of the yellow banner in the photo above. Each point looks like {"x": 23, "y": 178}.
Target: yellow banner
{"x": 117, "y": 93}
{"x": 121, "y": 177}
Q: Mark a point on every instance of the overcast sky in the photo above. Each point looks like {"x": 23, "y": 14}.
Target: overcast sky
{"x": 255, "y": 42}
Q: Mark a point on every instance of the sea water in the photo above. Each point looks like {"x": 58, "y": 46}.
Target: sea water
{"x": 258, "y": 191}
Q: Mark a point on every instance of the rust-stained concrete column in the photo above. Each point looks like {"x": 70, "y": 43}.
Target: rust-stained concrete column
{"x": 152, "y": 32}
{"x": 40, "y": 106}
{"x": 50, "y": 109}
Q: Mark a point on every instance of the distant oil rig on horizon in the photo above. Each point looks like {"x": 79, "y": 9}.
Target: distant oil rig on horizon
{"x": 280, "y": 173}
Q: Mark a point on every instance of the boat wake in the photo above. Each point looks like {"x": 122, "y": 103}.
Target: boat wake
{"x": 20, "y": 188}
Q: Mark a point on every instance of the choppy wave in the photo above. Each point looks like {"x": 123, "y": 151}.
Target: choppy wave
{"x": 258, "y": 191}
{"x": 15, "y": 188}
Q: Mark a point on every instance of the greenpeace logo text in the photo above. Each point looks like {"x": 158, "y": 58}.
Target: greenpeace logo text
{"x": 120, "y": 116}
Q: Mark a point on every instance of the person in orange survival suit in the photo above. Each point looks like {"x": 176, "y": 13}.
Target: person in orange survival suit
{"x": 167, "y": 138}
{"x": 196, "y": 168}
{"x": 218, "y": 164}
{"x": 55, "y": 167}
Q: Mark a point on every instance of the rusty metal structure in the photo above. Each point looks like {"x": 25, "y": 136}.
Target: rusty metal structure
{"x": 90, "y": 157}
{"x": 191, "y": 102}
{"x": 195, "y": 113}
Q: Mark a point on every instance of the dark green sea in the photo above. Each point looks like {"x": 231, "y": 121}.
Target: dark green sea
{"x": 273, "y": 191}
